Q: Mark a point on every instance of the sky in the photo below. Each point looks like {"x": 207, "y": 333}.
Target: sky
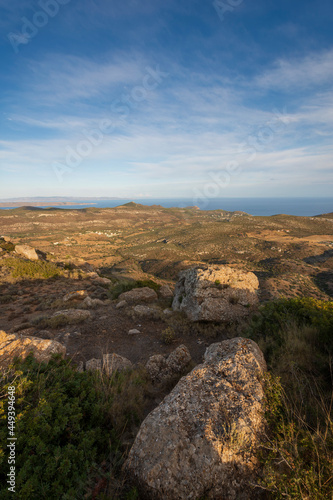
{"x": 160, "y": 99}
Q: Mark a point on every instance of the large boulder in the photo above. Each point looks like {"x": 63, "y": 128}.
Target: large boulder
{"x": 29, "y": 252}
{"x": 201, "y": 440}
{"x": 12, "y": 345}
{"x": 139, "y": 295}
{"x": 217, "y": 293}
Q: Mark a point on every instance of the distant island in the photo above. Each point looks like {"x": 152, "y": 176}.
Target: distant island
{"x": 41, "y": 203}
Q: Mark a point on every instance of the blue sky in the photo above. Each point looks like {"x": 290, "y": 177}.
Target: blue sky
{"x": 166, "y": 98}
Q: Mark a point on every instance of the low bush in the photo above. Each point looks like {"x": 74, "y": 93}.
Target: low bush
{"x": 30, "y": 269}
{"x": 296, "y": 338}
{"x": 68, "y": 427}
{"x": 126, "y": 286}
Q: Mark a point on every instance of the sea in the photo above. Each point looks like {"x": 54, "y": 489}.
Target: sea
{"x": 253, "y": 206}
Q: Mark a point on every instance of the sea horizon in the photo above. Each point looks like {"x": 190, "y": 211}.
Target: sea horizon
{"x": 263, "y": 206}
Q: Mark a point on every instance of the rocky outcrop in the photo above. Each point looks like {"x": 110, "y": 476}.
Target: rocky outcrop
{"x": 162, "y": 368}
{"x": 12, "y": 345}
{"x": 139, "y": 295}
{"x": 29, "y": 252}
{"x": 201, "y": 440}
{"x": 218, "y": 293}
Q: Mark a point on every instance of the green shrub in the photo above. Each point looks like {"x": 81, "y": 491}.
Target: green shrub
{"x": 61, "y": 427}
{"x": 7, "y": 246}
{"x": 68, "y": 425}
{"x": 283, "y": 323}
{"x": 296, "y": 338}
{"x": 31, "y": 269}
{"x": 126, "y": 286}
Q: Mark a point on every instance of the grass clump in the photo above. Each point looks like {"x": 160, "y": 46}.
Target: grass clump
{"x": 296, "y": 338}
{"x": 126, "y": 286}
{"x": 30, "y": 269}
{"x": 297, "y": 457}
{"x": 168, "y": 335}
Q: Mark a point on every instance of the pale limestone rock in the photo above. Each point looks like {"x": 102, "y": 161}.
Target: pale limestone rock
{"x": 202, "y": 439}
{"x": 15, "y": 345}
{"x": 134, "y": 331}
{"x": 218, "y": 293}
{"x": 94, "y": 364}
{"x": 139, "y": 295}
{"x": 29, "y": 252}
{"x": 76, "y": 295}
{"x": 165, "y": 292}
{"x": 102, "y": 281}
{"x": 121, "y": 304}
{"x": 73, "y": 315}
{"x": 114, "y": 362}
{"x": 147, "y": 312}
{"x": 161, "y": 368}
{"x": 90, "y": 303}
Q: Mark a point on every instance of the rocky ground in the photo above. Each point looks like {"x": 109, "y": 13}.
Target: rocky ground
{"x": 291, "y": 256}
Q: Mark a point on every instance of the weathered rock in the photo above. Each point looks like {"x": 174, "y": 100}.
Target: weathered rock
{"x": 121, "y": 304}
{"x": 162, "y": 368}
{"x": 102, "y": 281}
{"x": 113, "y": 362}
{"x": 79, "y": 367}
{"x": 44, "y": 334}
{"x": 165, "y": 292}
{"x": 138, "y": 295}
{"x": 201, "y": 440}
{"x": 76, "y": 295}
{"x": 16, "y": 345}
{"x": 218, "y": 293}
{"x": 92, "y": 303}
{"x": 73, "y": 315}
{"x": 94, "y": 364}
{"x": 156, "y": 367}
{"x": 179, "y": 359}
{"x": 147, "y": 312}
{"x": 29, "y": 252}
{"x": 133, "y": 331}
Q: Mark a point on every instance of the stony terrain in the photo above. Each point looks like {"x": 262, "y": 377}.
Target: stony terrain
{"x": 291, "y": 256}
{"x": 167, "y": 292}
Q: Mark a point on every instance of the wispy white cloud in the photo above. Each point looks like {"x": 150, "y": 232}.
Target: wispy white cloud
{"x": 302, "y": 73}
